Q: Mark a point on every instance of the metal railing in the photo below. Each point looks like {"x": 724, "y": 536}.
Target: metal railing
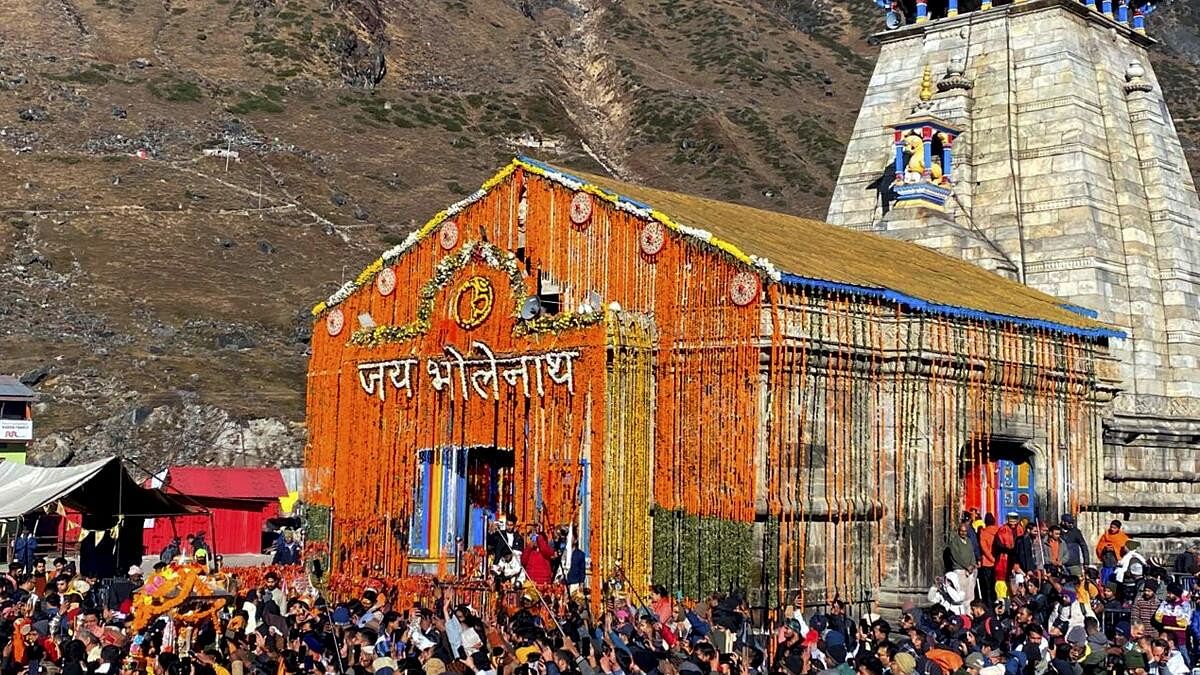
{"x": 1109, "y": 618}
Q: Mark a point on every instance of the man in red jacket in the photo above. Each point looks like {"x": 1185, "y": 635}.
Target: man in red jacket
{"x": 536, "y": 559}
{"x": 1005, "y": 550}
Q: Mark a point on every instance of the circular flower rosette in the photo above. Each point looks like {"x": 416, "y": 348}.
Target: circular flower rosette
{"x": 385, "y": 281}
{"x": 743, "y": 289}
{"x": 448, "y": 235}
{"x": 335, "y": 321}
{"x": 652, "y": 238}
{"x": 581, "y": 210}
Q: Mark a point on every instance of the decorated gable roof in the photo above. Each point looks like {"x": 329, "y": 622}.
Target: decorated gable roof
{"x": 800, "y": 251}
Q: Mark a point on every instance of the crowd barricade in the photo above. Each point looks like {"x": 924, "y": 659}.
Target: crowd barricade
{"x": 425, "y": 591}
{"x": 1111, "y": 617}
{"x": 291, "y": 577}
{"x": 1188, "y": 581}
{"x": 408, "y": 592}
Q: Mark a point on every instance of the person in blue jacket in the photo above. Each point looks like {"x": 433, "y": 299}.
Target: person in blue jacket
{"x": 25, "y": 550}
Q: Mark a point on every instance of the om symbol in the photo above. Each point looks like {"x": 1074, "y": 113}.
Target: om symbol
{"x": 473, "y": 302}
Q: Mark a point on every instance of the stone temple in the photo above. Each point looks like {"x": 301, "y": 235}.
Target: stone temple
{"x": 1032, "y": 139}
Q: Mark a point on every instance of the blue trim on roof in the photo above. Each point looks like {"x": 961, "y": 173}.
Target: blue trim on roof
{"x": 887, "y": 294}
{"x": 1080, "y": 310}
{"x": 950, "y": 310}
{"x": 547, "y": 167}
{"x": 944, "y": 127}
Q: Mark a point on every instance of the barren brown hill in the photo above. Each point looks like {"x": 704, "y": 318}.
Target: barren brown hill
{"x": 181, "y": 179}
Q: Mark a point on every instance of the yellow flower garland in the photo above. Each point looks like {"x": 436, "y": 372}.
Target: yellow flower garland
{"x": 367, "y": 274}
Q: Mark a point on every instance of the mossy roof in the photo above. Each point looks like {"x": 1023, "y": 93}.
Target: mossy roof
{"x": 814, "y": 253}
{"x": 799, "y": 251}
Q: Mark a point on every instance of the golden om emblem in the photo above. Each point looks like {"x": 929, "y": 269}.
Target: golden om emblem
{"x": 473, "y": 302}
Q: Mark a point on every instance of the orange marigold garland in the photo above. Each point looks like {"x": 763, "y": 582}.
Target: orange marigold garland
{"x": 727, "y": 364}
{"x": 164, "y": 591}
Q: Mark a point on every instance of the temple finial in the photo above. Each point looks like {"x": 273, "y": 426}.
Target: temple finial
{"x": 927, "y": 84}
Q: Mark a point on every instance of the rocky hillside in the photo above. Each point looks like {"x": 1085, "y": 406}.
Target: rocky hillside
{"x": 181, "y": 179}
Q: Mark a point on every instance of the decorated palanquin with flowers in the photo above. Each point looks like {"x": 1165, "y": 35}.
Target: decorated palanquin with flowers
{"x": 708, "y": 395}
{"x": 184, "y": 591}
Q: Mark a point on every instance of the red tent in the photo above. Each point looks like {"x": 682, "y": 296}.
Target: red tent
{"x": 240, "y": 501}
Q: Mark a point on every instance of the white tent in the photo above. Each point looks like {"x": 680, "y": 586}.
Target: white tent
{"x": 102, "y": 487}
{"x": 24, "y": 488}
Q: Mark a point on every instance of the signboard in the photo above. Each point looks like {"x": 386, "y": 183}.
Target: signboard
{"x": 16, "y": 430}
{"x": 483, "y": 374}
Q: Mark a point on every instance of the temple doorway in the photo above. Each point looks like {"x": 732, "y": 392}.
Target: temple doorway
{"x": 1004, "y": 482}
{"x": 459, "y": 491}
{"x": 489, "y": 491}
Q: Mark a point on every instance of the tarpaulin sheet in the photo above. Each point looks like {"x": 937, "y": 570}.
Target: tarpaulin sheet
{"x": 99, "y": 488}
{"x": 24, "y": 488}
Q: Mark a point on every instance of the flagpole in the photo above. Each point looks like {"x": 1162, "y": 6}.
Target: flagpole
{"x": 120, "y": 516}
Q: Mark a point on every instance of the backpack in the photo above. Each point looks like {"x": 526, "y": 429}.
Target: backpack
{"x": 947, "y": 660}
{"x": 1194, "y": 626}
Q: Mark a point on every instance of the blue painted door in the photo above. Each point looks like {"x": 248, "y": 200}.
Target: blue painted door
{"x": 1015, "y": 486}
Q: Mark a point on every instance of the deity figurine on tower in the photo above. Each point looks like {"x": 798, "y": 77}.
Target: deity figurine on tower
{"x": 923, "y": 147}
{"x": 914, "y": 151}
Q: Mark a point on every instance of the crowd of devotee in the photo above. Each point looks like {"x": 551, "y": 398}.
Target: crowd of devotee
{"x": 1016, "y": 598}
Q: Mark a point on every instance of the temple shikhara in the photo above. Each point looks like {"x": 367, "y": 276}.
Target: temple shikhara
{"x": 1063, "y": 171}
{"x": 709, "y": 395}
{"x": 1001, "y": 315}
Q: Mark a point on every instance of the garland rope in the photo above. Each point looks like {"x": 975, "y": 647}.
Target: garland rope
{"x": 820, "y": 411}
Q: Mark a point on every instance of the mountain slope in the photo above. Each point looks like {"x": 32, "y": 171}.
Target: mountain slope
{"x": 154, "y": 286}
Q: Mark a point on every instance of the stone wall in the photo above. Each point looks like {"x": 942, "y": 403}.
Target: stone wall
{"x": 877, "y": 534}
